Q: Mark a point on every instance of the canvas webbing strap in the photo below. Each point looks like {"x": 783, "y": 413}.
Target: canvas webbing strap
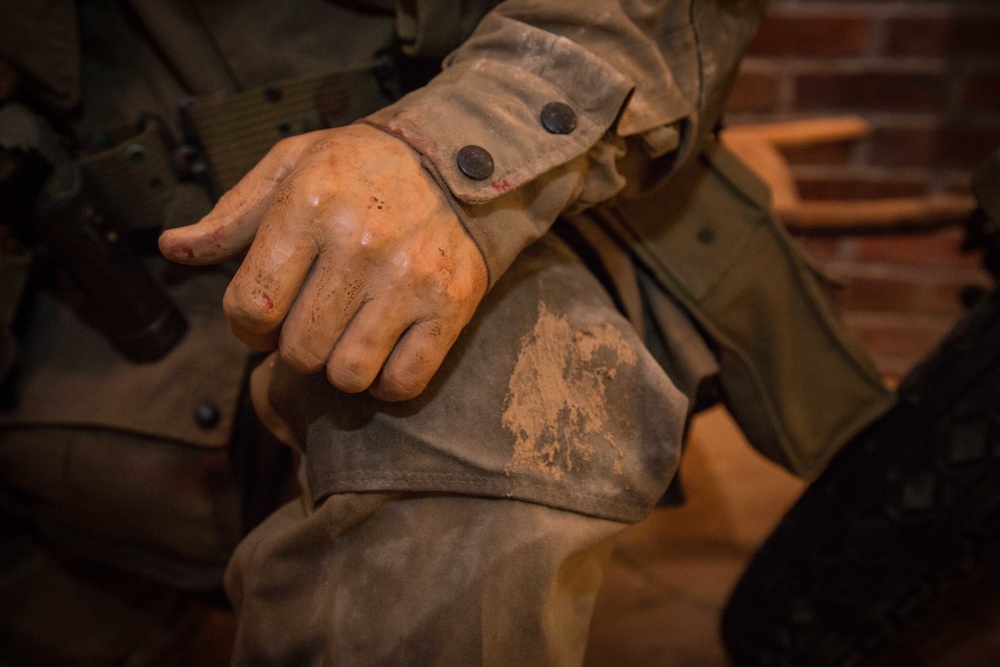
{"x": 234, "y": 131}
{"x": 133, "y": 182}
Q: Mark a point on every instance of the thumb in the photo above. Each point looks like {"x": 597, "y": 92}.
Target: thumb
{"x": 231, "y": 225}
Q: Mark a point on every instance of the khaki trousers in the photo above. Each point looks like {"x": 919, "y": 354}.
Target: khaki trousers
{"x": 456, "y": 529}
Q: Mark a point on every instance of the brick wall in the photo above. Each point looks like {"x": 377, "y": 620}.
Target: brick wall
{"x": 926, "y": 75}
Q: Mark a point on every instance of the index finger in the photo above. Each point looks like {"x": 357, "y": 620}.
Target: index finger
{"x": 273, "y": 272}
{"x": 230, "y": 226}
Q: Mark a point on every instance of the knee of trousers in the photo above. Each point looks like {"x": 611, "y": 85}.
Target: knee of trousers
{"x": 549, "y": 396}
{"x": 391, "y": 579}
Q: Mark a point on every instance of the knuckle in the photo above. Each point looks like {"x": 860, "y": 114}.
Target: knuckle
{"x": 397, "y": 384}
{"x": 251, "y": 310}
{"x": 285, "y": 192}
{"x": 287, "y": 145}
{"x": 318, "y": 177}
{"x": 441, "y": 283}
{"x": 299, "y": 357}
{"x": 230, "y": 199}
{"x": 311, "y": 175}
{"x": 426, "y": 275}
{"x": 349, "y": 375}
{"x": 448, "y": 283}
{"x": 307, "y": 187}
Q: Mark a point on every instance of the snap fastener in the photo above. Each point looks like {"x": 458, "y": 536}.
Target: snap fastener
{"x": 136, "y": 153}
{"x": 706, "y": 235}
{"x": 475, "y": 162}
{"x": 207, "y": 416}
{"x": 558, "y": 118}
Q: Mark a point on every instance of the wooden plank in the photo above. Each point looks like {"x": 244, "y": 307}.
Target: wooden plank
{"x": 794, "y": 133}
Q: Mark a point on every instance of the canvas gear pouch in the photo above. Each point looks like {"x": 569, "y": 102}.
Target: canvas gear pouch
{"x": 793, "y": 378}
{"x": 128, "y": 463}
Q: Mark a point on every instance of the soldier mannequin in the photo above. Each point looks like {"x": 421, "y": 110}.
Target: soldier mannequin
{"x": 443, "y": 519}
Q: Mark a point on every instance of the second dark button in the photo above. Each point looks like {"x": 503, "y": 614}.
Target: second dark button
{"x": 558, "y": 118}
{"x": 475, "y": 162}
{"x": 207, "y": 416}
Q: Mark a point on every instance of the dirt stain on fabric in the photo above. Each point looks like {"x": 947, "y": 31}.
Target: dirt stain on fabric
{"x": 555, "y": 405}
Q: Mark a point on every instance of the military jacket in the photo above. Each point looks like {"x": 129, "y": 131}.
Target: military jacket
{"x": 551, "y": 92}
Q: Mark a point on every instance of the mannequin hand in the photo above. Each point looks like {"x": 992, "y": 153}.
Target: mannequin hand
{"x": 356, "y": 262}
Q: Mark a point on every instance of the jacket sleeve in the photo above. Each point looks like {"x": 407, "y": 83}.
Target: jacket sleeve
{"x": 529, "y": 116}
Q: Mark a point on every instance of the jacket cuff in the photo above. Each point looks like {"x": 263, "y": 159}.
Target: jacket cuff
{"x": 508, "y": 137}
{"x": 498, "y": 106}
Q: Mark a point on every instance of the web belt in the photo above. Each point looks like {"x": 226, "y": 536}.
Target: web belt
{"x": 135, "y": 181}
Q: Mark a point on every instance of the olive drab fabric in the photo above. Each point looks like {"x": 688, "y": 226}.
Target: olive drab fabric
{"x": 575, "y": 414}
{"x": 674, "y": 89}
{"x": 768, "y": 369}
{"x": 430, "y": 28}
{"x": 91, "y": 437}
{"x": 798, "y": 385}
{"x": 40, "y": 39}
{"x": 170, "y": 102}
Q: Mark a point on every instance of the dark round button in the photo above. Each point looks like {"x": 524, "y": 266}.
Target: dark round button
{"x": 207, "y": 416}
{"x": 136, "y": 153}
{"x": 558, "y": 118}
{"x": 706, "y": 235}
{"x": 475, "y": 162}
